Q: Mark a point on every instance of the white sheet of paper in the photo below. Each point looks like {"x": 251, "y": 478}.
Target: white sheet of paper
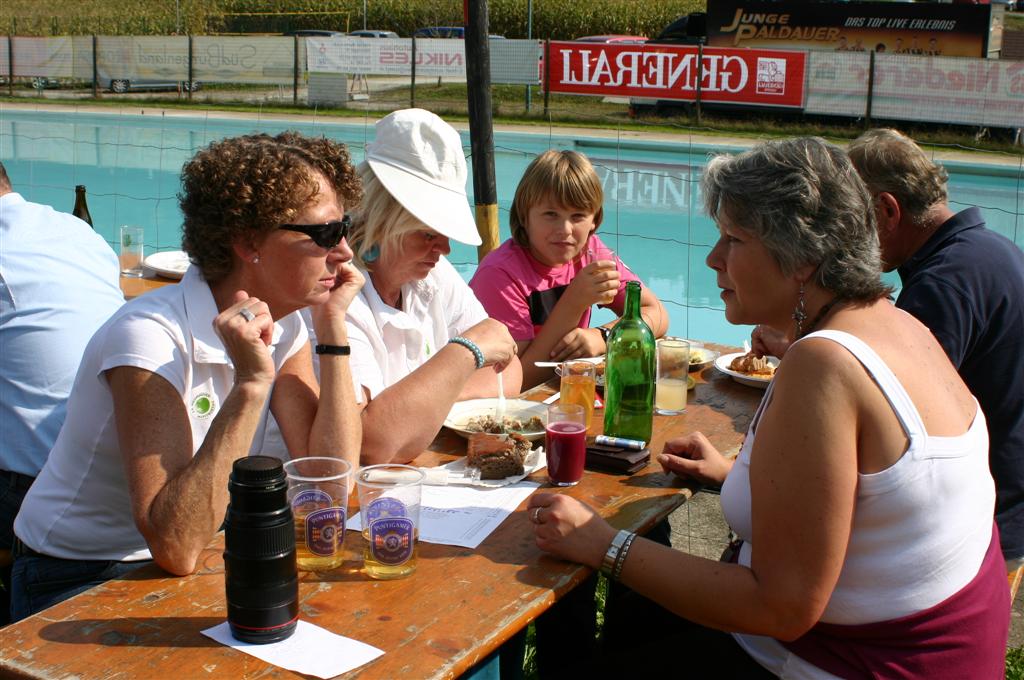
{"x": 463, "y": 516}
{"x": 311, "y": 650}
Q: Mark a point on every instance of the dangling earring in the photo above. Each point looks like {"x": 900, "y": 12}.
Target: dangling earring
{"x": 800, "y": 313}
{"x": 372, "y": 253}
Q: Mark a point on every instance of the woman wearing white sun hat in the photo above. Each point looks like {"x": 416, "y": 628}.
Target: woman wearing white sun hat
{"x": 420, "y": 339}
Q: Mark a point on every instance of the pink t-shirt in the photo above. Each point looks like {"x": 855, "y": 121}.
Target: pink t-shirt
{"x": 520, "y": 292}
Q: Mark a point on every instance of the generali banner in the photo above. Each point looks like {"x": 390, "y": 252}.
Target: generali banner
{"x": 742, "y": 76}
{"x": 932, "y": 28}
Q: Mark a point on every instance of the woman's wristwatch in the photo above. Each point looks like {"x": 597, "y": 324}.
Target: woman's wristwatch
{"x": 615, "y": 556}
{"x": 605, "y": 334}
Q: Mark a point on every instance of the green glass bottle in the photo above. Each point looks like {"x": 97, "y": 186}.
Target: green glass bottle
{"x": 629, "y": 373}
{"x": 81, "y": 209}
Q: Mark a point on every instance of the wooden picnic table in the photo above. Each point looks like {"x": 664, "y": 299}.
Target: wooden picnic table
{"x": 459, "y": 606}
{"x": 133, "y": 287}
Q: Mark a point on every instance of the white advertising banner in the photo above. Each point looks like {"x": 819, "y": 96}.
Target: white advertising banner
{"x": 949, "y": 89}
{"x": 957, "y": 90}
{"x": 51, "y": 57}
{"x": 230, "y": 59}
{"x": 834, "y": 85}
{"x": 512, "y": 61}
{"x": 142, "y": 57}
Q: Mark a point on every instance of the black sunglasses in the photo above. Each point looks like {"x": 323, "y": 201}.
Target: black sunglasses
{"x": 327, "y": 235}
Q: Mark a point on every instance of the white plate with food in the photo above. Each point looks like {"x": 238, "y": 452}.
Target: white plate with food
{"x": 477, "y": 415}
{"x": 171, "y": 263}
{"x": 701, "y": 358}
{"x": 757, "y": 373}
{"x": 535, "y": 460}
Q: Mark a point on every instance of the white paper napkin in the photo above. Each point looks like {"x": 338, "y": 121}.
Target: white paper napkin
{"x": 311, "y": 650}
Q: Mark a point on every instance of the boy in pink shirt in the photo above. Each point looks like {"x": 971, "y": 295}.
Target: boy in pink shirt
{"x": 543, "y": 281}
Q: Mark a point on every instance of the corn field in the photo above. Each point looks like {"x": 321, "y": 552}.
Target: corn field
{"x": 554, "y": 19}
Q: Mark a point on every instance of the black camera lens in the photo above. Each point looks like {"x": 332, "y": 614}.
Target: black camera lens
{"x": 260, "y": 575}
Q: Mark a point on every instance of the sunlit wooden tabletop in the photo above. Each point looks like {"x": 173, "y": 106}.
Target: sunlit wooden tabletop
{"x": 460, "y": 605}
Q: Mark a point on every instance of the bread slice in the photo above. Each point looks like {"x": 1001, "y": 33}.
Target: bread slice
{"x": 497, "y": 455}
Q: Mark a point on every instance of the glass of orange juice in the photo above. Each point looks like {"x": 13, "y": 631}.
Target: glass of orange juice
{"x": 579, "y": 381}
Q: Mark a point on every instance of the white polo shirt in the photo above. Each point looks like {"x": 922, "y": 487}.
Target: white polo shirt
{"x": 79, "y": 506}
{"x": 389, "y": 344}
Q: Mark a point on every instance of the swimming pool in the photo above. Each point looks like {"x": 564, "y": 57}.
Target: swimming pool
{"x": 653, "y": 217}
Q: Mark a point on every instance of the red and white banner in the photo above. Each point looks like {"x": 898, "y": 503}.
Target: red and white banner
{"x": 743, "y": 76}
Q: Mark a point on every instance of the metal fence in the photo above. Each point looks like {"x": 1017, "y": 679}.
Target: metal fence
{"x": 382, "y": 74}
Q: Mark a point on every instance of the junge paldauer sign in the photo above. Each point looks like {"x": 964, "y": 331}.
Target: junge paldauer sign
{"x": 929, "y": 28}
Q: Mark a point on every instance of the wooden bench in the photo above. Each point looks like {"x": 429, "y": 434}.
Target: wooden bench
{"x": 1015, "y": 577}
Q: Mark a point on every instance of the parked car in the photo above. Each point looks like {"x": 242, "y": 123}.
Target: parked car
{"x": 316, "y": 32}
{"x": 122, "y": 85}
{"x": 372, "y": 34}
{"x": 614, "y": 39}
{"x": 440, "y": 32}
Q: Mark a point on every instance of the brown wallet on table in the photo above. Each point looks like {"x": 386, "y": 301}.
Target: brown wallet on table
{"x": 616, "y": 459}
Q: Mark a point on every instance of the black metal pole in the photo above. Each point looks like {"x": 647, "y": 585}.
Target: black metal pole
{"x": 295, "y": 71}
{"x": 95, "y": 69}
{"x": 481, "y": 127}
{"x": 871, "y": 90}
{"x": 188, "y": 83}
{"x": 700, "y": 78}
{"x": 547, "y": 70}
{"x": 10, "y": 65}
{"x": 412, "y": 76}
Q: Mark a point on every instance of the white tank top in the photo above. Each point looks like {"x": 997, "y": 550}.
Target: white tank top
{"x": 920, "y": 527}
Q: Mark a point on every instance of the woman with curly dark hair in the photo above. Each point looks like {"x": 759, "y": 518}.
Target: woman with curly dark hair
{"x": 177, "y": 384}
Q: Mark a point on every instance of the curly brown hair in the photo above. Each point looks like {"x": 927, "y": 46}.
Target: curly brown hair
{"x": 242, "y": 188}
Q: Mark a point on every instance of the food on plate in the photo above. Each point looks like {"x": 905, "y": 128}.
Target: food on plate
{"x": 753, "y": 365}
{"x": 497, "y": 456}
{"x": 492, "y": 425}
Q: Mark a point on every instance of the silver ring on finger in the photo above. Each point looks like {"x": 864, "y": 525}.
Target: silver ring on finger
{"x": 246, "y": 314}
{"x": 535, "y": 516}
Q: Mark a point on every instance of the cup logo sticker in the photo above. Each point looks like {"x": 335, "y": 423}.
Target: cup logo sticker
{"x": 383, "y": 508}
{"x": 310, "y": 500}
{"x": 391, "y": 540}
{"x": 325, "y": 529}
{"x": 203, "y": 405}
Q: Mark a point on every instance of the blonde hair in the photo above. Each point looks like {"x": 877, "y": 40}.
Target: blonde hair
{"x": 566, "y": 176}
{"x": 380, "y": 222}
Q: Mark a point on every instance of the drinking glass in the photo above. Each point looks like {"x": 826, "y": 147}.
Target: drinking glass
{"x": 131, "y": 251}
{"x": 579, "y": 382}
{"x": 389, "y": 509}
{"x": 565, "y": 442}
{"x": 673, "y": 370}
{"x": 318, "y": 494}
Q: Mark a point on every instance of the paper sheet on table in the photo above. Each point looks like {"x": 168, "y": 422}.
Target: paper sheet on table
{"x": 311, "y": 650}
{"x": 463, "y": 516}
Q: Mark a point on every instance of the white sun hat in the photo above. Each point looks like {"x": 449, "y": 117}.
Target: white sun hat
{"x": 418, "y": 158}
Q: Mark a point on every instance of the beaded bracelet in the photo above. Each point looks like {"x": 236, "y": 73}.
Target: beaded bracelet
{"x": 620, "y": 560}
{"x": 471, "y": 346}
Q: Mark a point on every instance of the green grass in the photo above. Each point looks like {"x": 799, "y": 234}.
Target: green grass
{"x": 1015, "y": 663}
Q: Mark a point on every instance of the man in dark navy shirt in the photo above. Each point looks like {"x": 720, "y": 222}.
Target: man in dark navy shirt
{"x": 966, "y": 283}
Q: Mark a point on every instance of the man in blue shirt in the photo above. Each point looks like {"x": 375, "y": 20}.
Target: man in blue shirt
{"x": 966, "y": 283}
{"x": 59, "y": 281}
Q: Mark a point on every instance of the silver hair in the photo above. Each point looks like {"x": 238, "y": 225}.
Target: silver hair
{"x": 804, "y": 200}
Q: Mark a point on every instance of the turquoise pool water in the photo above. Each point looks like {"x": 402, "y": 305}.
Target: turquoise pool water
{"x": 653, "y": 218}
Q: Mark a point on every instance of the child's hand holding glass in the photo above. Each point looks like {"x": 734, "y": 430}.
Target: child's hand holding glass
{"x": 595, "y": 284}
